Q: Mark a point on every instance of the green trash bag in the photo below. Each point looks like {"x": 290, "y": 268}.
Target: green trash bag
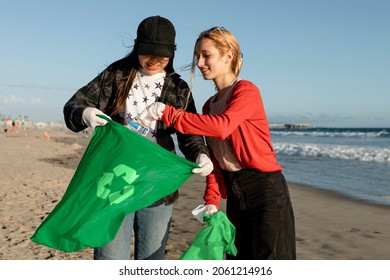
{"x": 213, "y": 241}
{"x": 119, "y": 173}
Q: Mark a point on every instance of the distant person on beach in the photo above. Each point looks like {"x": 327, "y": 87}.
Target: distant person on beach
{"x": 246, "y": 170}
{"x": 122, "y": 91}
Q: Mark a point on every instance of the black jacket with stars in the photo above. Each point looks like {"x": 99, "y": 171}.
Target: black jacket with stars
{"x": 100, "y": 93}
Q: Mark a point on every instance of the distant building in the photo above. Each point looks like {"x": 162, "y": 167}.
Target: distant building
{"x": 297, "y": 126}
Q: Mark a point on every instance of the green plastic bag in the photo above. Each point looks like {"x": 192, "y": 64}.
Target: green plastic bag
{"x": 213, "y": 241}
{"x": 119, "y": 173}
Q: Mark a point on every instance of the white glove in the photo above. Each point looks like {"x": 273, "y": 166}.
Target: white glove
{"x": 151, "y": 113}
{"x": 199, "y": 211}
{"x": 210, "y": 209}
{"x": 91, "y": 119}
{"x": 206, "y": 166}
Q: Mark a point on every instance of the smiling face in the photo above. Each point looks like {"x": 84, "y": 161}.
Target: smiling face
{"x": 153, "y": 64}
{"x": 210, "y": 61}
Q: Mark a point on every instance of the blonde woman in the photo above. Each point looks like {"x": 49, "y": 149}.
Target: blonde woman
{"x": 246, "y": 171}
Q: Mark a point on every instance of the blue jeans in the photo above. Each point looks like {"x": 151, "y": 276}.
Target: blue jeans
{"x": 151, "y": 230}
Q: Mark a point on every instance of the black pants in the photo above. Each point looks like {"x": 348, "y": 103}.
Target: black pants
{"x": 259, "y": 206}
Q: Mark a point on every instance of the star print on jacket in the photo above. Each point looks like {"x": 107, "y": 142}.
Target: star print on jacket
{"x": 141, "y": 95}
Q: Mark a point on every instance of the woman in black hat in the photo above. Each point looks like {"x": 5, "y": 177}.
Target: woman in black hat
{"x": 122, "y": 91}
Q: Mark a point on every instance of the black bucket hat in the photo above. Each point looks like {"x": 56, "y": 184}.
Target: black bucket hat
{"x": 156, "y": 36}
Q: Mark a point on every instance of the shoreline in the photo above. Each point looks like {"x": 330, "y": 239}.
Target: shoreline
{"x": 338, "y": 195}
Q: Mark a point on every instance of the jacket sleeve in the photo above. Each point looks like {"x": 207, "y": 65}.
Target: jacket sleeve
{"x": 87, "y": 96}
{"x": 98, "y": 93}
{"x": 243, "y": 104}
{"x": 212, "y": 194}
{"x": 215, "y": 186}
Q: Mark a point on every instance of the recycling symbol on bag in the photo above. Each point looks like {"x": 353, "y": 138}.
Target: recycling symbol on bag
{"x": 122, "y": 176}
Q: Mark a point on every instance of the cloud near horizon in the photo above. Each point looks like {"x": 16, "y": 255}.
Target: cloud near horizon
{"x": 39, "y": 87}
{"x": 20, "y": 101}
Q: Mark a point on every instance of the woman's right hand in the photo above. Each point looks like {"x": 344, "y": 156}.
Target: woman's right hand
{"x": 91, "y": 119}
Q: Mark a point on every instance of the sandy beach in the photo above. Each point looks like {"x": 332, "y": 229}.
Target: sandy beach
{"x": 36, "y": 169}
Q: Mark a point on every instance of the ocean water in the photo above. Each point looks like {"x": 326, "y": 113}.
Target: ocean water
{"x": 352, "y": 161}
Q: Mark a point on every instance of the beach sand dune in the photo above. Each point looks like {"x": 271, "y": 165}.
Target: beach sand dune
{"x": 35, "y": 172}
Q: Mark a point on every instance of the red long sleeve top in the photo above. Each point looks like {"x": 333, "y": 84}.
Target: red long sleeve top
{"x": 244, "y": 124}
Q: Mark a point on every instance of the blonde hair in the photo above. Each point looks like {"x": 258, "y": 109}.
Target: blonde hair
{"x": 224, "y": 41}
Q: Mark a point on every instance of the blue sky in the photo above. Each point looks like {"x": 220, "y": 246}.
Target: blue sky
{"x": 326, "y": 63}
